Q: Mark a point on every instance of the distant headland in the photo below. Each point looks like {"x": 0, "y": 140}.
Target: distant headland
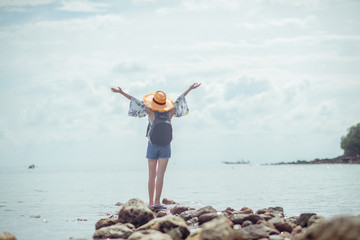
{"x": 344, "y": 159}
{"x": 351, "y": 145}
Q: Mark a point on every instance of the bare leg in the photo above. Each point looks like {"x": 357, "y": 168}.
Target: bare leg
{"x": 160, "y": 178}
{"x": 151, "y": 184}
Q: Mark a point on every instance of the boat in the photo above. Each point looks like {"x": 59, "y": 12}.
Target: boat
{"x": 237, "y": 162}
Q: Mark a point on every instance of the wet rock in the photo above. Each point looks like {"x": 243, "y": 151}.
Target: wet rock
{"x": 246, "y": 223}
{"x": 204, "y": 210}
{"x": 276, "y": 211}
{"x": 266, "y": 216}
{"x": 314, "y": 220}
{"x": 149, "y": 235}
{"x": 172, "y": 225}
{"x": 118, "y": 230}
{"x": 179, "y": 209}
{"x": 265, "y": 223}
{"x": 120, "y": 204}
{"x": 7, "y": 236}
{"x": 261, "y": 211}
{"x": 228, "y": 212}
{"x": 281, "y": 225}
{"x": 217, "y": 229}
{"x": 304, "y": 217}
{"x": 206, "y": 217}
{"x": 297, "y": 230}
{"x": 239, "y": 218}
{"x": 246, "y": 210}
{"x": 273, "y": 211}
{"x": 168, "y": 201}
{"x": 161, "y": 213}
{"x": 187, "y": 215}
{"x": 136, "y": 212}
{"x": 105, "y": 222}
{"x": 342, "y": 228}
{"x": 193, "y": 222}
{"x": 257, "y": 231}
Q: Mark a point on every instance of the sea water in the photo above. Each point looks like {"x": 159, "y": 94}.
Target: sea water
{"x": 64, "y": 202}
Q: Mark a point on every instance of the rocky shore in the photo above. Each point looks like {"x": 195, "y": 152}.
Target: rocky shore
{"x": 344, "y": 159}
{"x": 135, "y": 221}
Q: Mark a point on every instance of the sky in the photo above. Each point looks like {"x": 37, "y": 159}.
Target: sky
{"x": 280, "y": 80}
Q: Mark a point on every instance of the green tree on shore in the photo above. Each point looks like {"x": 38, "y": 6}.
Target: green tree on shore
{"x": 351, "y": 142}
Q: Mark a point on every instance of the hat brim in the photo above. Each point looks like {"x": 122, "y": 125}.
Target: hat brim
{"x": 148, "y": 100}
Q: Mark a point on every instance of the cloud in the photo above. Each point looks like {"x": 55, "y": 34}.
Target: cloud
{"x": 18, "y": 3}
{"x": 308, "y": 21}
{"x": 261, "y": 88}
{"x": 83, "y": 6}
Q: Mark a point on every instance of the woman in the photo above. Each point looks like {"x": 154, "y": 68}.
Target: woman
{"x": 157, "y": 106}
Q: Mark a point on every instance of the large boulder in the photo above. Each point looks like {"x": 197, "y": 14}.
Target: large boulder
{"x": 217, "y": 229}
{"x": 342, "y": 228}
{"x": 105, "y": 222}
{"x": 257, "y": 231}
{"x": 171, "y": 225}
{"x": 149, "y": 235}
{"x": 136, "y": 212}
{"x": 118, "y": 230}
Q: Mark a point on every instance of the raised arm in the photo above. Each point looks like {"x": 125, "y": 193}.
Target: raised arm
{"x": 119, "y": 90}
{"x": 193, "y": 86}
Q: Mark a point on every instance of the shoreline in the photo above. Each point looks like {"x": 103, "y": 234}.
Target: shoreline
{"x": 135, "y": 221}
{"x": 343, "y": 159}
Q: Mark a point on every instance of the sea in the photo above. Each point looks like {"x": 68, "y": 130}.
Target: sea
{"x": 65, "y": 202}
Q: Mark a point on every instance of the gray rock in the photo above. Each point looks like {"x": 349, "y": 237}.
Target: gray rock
{"x": 239, "y": 218}
{"x": 315, "y": 219}
{"x": 257, "y": 231}
{"x": 206, "y": 217}
{"x": 118, "y": 230}
{"x": 105, "y": 222}
{"x": 201, "y": 211}
{"x": 217, "y": 229}
{"x": 281, "y": 225}
{"x": 161, "y": 213}
{"x": 136, "y": 212}
{"x": 187, "y": 215}
{"x": 149, "y": 235}
{"x": 341, "y": 228}
{"x": 168, "y": 201}
{"x": 303, "y": 219}
{"x": 246, "y": 223}
{"x": 179, "y": 209}
{"x": 171, "y": 225}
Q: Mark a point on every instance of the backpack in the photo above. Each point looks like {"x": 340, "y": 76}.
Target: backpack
{"x": 160, "y": 131}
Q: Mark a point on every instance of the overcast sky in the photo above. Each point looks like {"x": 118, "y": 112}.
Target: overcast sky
{"x": 280, "y": 79}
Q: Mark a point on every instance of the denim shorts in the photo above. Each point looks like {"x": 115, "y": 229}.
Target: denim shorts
{"x": 154, "y": 152}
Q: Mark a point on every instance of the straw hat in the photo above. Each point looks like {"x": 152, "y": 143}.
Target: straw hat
{"x": 158, "y": 102}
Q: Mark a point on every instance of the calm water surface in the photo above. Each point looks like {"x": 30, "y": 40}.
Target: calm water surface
{"x": 59, "y": 203}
